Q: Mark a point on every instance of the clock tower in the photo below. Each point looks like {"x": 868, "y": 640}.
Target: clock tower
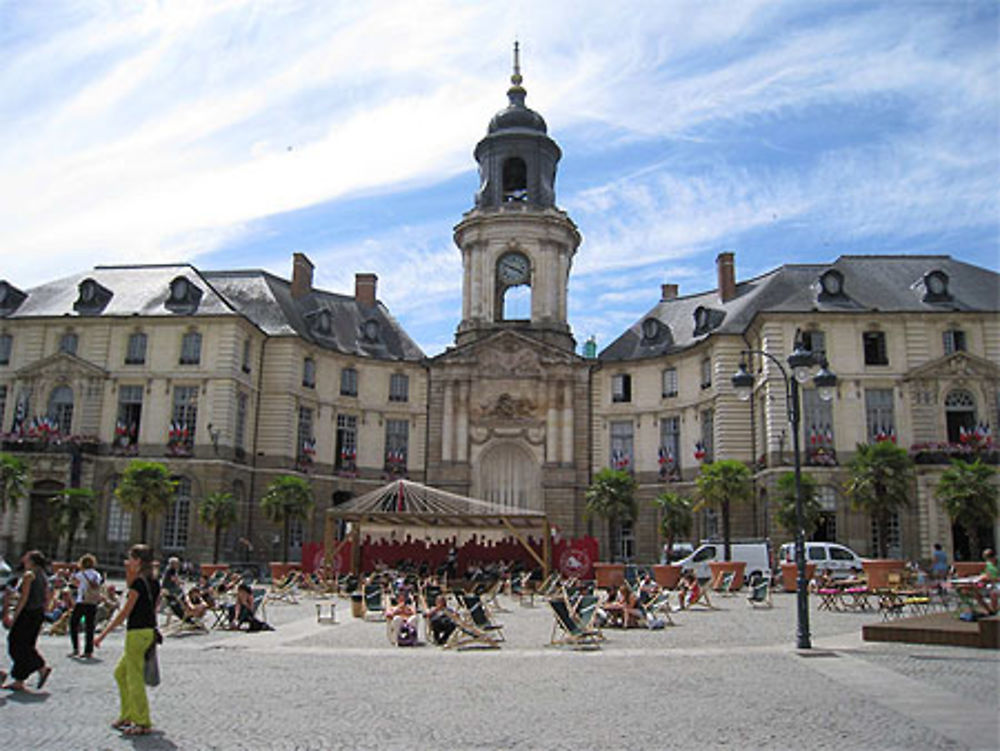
{"x": 516, "y": 245}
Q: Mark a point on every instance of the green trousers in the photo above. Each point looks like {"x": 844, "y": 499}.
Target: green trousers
{"x": 129, "y": 676}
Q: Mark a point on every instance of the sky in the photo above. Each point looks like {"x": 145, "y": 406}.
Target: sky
{"x": 230, "y": 134}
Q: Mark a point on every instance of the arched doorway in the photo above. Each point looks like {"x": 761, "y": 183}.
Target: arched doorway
{"x": 40, "y": 536}
{"x": 508, "y": 476}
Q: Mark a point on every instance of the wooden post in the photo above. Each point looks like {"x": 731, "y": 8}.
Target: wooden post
{"x": 546, "y": 549}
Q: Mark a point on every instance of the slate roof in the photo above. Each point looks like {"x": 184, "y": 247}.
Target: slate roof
{"x": 884, "y": 284}
{"x": 262, "y": 298}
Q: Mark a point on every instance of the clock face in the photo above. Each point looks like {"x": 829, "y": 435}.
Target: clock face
{"x": 514, "y": 268}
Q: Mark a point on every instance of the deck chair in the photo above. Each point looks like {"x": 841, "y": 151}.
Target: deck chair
{"x": 567, "y": 630}
{"x": 467, "y": 636}
{"x": 703, "y": 601}
{"x": 549, "y": 586}
{"x": 474, "y": 606}
{"x": 585, "y": 610}
{"x": 286, "y": 590}
{"x": 660, "y": 606}
{"x": 521, "y": 589}
{"x": 374, "y": 602}
{"x": 760, "y": 595}
{"x": 724, "y": 583}
{"x": 185, "y": 624}
{"x": 491, "y": 595}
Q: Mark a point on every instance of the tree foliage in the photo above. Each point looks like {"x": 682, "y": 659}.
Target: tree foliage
{"x": 723, "y": 483}
{"x": 13, "y": 481}
{"x": 287, "y": 497}
{"x": 676, "y": 517}
{"x": 969, "y": 496}
{"x": 71, "y": 510}
{"x": 217, "y": 511}
{"x": 811, "y": 510}
{"x": 880, "y": 483}
{"x": 611, "y": 496}
{"x": 146, "y": 488}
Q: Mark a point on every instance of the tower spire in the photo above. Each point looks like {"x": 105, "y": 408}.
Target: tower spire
{"x": 516, "y": 92}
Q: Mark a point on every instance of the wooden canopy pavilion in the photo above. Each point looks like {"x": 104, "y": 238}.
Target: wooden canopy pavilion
{"x": 406, "y": 507}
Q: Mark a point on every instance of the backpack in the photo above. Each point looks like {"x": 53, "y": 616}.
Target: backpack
{"x": 407, "y": 635}
{"x": 92, "y": 594}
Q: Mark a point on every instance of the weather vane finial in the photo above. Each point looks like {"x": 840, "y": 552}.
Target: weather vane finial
{"x": 516, "y": 77}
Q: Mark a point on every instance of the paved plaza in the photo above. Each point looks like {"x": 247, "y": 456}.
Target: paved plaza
{"x": 729, "y": 678}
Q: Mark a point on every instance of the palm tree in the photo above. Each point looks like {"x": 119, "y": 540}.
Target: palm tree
{"x": 811, "y": 510}
{"x": 612, "y": 497}
{"x": 218, "y": 511}
{"x": 880, "y": 483}
{"x": 72, "y": 509}
{"x": 969, "y": 497}
{"x": 13, "y": 487}
{"x": 676, "y": 517}
{"x": 287, "y": 497}
{"x": 145, "y": 487}
{"x": 721, "y": 484}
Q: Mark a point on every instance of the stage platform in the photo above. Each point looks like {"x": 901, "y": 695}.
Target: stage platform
{"x": 937, "y": 628}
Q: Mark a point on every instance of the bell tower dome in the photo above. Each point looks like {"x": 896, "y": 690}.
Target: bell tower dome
{"x": 515, "y": 236}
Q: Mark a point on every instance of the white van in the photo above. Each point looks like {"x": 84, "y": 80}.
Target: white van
{"x": 753, "y": 554}
{"x": 828, "y": 556}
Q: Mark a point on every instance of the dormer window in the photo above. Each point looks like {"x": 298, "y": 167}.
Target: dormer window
{"x": 706, "y": 319}
{"x": 322, "y": 322}
{"x": 370, "y": 330}
{"x": 184, "y": 296}
{"x": 936, "y": 286}
{"x": 831, "y": 284}
{"x": 92, "y": 297}
{"x": 10, "y": 298}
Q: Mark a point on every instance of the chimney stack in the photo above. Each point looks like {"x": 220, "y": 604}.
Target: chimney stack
{"x": 668, "y": 292}
{"x": 302, "y": 275}
{"x": 364, "y": 289}
{"x": 725, "y": 267}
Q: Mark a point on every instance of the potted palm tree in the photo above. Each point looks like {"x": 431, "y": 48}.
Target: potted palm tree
{"x": 676, "y": 520}
{"x": 723, "y": 483}
{"x": 217, "y": 511}
{"x": 287, "y": 497}
{"x": 612, "y": 497}
{"x": 145, "y": 487}
{"x": 880, "y": 483}
{"x": 785, "y": 516}
{"x": 969, "y": 497}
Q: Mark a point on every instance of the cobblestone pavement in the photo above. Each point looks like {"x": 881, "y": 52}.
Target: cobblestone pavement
{"x": 724, "y": 679}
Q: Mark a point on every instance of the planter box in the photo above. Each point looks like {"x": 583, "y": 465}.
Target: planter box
{"x": 790, "y": 575}
{"x": 609, "y": 575}
{"x": 209, "y": 569}
{"x": 719, "y": 568}
{"x": 968, "y": 568}
{"x": 667, "y": 575}
{"x": 878, "y": 569}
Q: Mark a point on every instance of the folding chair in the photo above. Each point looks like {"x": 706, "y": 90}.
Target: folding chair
{"x": 467, "y": 635}
{"x": 374, "y": 602}
{"x": 760, "y": 595}
{"x": 567, "y": 630}
{"x": 477, "y": 613}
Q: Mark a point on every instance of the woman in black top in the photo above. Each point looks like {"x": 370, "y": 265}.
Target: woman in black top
{"x": 140, "y": 608}
{"x": 26, "y": 623}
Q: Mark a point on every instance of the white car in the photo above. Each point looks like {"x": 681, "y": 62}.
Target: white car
{"x": 828, "y": 556}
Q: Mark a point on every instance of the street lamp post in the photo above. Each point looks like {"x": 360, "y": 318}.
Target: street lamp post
{"x": 800, "y": 362}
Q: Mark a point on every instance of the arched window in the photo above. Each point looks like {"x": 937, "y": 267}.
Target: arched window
{"x": 960, "y": 414}
{"x": 175, "y": 523}
{"x": 515, "y": 180}
{"x": 61, "y": 408}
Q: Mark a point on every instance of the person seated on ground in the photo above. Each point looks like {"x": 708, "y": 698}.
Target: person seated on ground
{"x": 242, "y": 611}
{"x": 441, "y": 619}
{"x": 59, "y": 606}
{"x": 688, "y": 590}
{"x": 402, "y": 617}
{"x": 988, "y": 593}
{"x": 110, "y": 600}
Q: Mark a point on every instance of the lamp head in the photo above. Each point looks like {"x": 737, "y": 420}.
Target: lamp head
{"x": 801, "y": 361}
{"x": 743, "y": 382}
{"x": 825, "y": 382}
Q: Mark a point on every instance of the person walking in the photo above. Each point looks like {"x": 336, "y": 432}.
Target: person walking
{"x": 26, "y": 623}
{"x": 939, "y": 564}
{"x": 140, "y": 609}
{"x": 88, "y": 596}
